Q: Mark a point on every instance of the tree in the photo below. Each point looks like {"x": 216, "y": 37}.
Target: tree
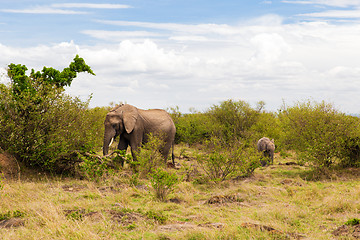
{"x": 39, "y": 123}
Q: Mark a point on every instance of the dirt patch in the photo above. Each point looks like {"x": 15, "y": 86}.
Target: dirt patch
{"x": 175, "y": 200}
{"x": 222, "y": 199}
{"x": 348, "y": 231}
{"x": 273, "y": 231}
{"x": 289, "y": 163}
{"x": 12, "y": 222}
{"x": 81, "y": 214}
{"x": 178, "y": 226}
{"x": 181, "y": 226}
{"x": 108, "y": 189}
{"x": 9, "y": 166}
{"x": 291, "y": 182}
{"x": 125, "y": 218}
{"x": 73, "y": 188}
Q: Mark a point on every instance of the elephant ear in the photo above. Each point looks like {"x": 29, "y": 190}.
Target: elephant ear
{"x": 130, "y": 115}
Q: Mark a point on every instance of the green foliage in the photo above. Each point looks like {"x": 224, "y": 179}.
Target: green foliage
{"x": 93, "y": 167}
{"x": 121, "y": 157}
{"x": 222, "y": 160}
{"x": 353, "y": 222}
{"x": 158, "y": 216}
{"x": 48, "y": 77}
{"x": 191, "y": 128}
{"x": 11, "y": 214}
{"x": 266, "y": 125}
{"x": 233, "y": 119}
{"x": 149, "y": 156}
{"x": 321, "y": 134}
{"x": 39, "y": 123}
{"x": 163, "y": 183}
{"x": 77, "y": 214}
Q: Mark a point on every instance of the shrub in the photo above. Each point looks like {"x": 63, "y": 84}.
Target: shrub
{"x": 11, "y": 214}
{"x": 222, "y": 160}
{"x": 233, "y": 120}
{"x": 149, "y": 156}
{"x": 229, "y": 120}
{"x": 39, "y": 123}
{"x": 353, "y": 222}
{"x": 266, "y": 125}
{"x": 158, "y": 216}
{"x": 191, "y": 128}
{"x": 321, "y": 134}
{"x": 92, "y": 167}
{"x": 163, "y": 183}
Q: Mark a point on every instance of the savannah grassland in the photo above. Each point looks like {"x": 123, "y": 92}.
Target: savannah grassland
{"x": 277, "y": 202}
{"x": 60, "y": 188}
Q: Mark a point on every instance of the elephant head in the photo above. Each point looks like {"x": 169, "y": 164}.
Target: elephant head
{"x": 119, "y": 120}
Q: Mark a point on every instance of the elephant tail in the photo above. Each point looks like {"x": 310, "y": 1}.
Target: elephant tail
{"x": 172, "y": 154}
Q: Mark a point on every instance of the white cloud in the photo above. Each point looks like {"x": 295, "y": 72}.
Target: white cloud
{"x": 42, "y": 10}
{"x": 333, "y": 3}
{"x": 58, "y": 8}
{"x": 199, "y": 65}
{"x": 90, "y": 5}
{"x": 117, "y": 36}
{"x": 175, "y": 27}
{"x": 335, "y": 14}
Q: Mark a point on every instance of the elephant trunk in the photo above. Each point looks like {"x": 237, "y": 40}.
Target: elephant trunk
{"x": 108, "y": 136}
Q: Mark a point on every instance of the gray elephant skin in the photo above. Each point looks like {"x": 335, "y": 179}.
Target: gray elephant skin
{"x": 134, "y": 125}
{"x": 266, "y": 146}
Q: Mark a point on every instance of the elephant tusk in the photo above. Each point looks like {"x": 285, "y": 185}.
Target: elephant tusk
{"x": 112, "y": 140}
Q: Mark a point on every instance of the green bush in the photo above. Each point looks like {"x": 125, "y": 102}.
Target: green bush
{"x": 229, "y": 120}
{"x": 158, "y": 216}
{"x": 40, "y": 124}
{"x": 321, "y": 134}
{"x": 191, "y": 128}
{"x": 11, "y": 214}
{"x": 233, "y": 120}
{"x": 266, "y": 125}
{"x": 353, "y": 222}
{"x": 149, "y": 156}
{"x": 222, "y": 160}
{"x": 163, "y": 183}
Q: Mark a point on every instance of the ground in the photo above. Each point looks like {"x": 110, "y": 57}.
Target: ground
{"x": 281, "y": 201}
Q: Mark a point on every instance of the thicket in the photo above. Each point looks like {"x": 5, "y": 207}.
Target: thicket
{"x": 226, "y": 136}
{"x": 319, "y": 133}
{"x": 40, "y": 124}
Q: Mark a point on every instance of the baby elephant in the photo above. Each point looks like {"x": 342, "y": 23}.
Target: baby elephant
{"x": 266, "y": 146}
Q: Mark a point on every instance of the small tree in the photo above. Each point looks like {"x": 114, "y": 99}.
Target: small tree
{"x": 163, "y": 183}
{"x": 39, "y": 123}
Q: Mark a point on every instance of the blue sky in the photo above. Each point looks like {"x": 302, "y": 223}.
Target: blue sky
{"x": 192, "y": 53}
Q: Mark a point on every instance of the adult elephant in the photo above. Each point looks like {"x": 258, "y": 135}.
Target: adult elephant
{"x": 266, "y": 146}
{"x": 134, "y": 125}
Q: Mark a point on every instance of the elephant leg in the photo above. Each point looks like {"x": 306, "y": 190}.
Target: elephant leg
{"x": 165, "y": 151}
{"x": 123, "y": 144}
{"x": 135, "y": 144}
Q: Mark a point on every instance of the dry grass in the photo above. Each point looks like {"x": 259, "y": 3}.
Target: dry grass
{"x": 277, "y": 202}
